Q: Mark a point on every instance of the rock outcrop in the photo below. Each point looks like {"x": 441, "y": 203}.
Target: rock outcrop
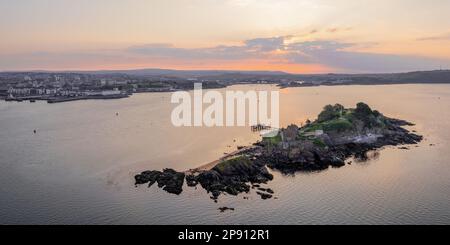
{"x": 232, "y": 176}
{"x": 169, "y": 179}
{"x": 337, "y": 135}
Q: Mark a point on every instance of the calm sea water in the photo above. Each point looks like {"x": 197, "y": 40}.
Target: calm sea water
{"x": 79, "y": 167}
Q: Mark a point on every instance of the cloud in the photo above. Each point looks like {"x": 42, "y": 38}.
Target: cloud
{"x": 324, "y": 45}
{"x": 61, "y": 60}
{"x": 339, "y": 55}
{"x": 445, "y": 37}
{"x": 253, "y": 48}
{"x": 169, "y": 51}
{"x": 338, "y": 29}
{"x": 266, "y": 44}
{"x": 336, "y": 55}
{"x": 332, "y": 30}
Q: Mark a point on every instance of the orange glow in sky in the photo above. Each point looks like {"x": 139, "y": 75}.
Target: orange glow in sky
{"x": 298, "y": 36}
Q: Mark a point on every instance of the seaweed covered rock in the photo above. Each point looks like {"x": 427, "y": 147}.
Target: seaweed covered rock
{"x": 232, "y": 176}
{"x": 169, "y": 179}
{"x": 147, "y": 177}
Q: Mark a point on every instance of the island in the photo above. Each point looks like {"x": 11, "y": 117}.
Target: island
{"x": 337, "y": 135}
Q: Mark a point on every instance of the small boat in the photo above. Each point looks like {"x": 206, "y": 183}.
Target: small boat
{"x": 32, "y": 101}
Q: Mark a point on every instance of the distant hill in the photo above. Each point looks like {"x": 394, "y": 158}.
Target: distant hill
{"x": 284, "y": 79}
{"x": 181, "y": 73}
{"x": 437, "y": 76}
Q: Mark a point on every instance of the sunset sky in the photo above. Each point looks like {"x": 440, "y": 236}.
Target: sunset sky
{"x": 298, "y": 36}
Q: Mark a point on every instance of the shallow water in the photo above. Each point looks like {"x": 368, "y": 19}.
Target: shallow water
{"x": 79, "y": 167}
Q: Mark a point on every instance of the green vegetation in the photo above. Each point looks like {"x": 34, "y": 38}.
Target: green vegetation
{"x": 339, "y": 125}
{"x": 319, "y": 143}
{"x": 339, "y": 119}
{"x": 313, "y": 127}
{"x": 362, "y": 110}
{"x": 273, "y": 140}
{"x": 302, "y": 136}
{"x": 230, "y": 163}
{"x": 330, "y": 112}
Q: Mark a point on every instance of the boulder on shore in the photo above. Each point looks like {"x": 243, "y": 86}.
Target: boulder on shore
{"x": 232, "y": 176}
{"x": 169, "y": 180}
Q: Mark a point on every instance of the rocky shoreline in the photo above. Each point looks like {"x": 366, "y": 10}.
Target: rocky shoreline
{"x": 169, "y": 179}
{"x": 336, "y": 136}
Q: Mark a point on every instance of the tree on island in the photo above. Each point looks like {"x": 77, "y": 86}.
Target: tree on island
{"x": 330, "y": 112}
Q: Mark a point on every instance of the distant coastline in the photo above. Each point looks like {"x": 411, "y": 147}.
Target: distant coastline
{"x": 57, "y": 87}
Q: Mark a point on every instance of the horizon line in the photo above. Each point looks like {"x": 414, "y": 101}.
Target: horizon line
{"x": 205, "y": 70}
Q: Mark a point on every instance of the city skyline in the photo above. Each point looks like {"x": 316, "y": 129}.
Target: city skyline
{"x": 293, "y": 36}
